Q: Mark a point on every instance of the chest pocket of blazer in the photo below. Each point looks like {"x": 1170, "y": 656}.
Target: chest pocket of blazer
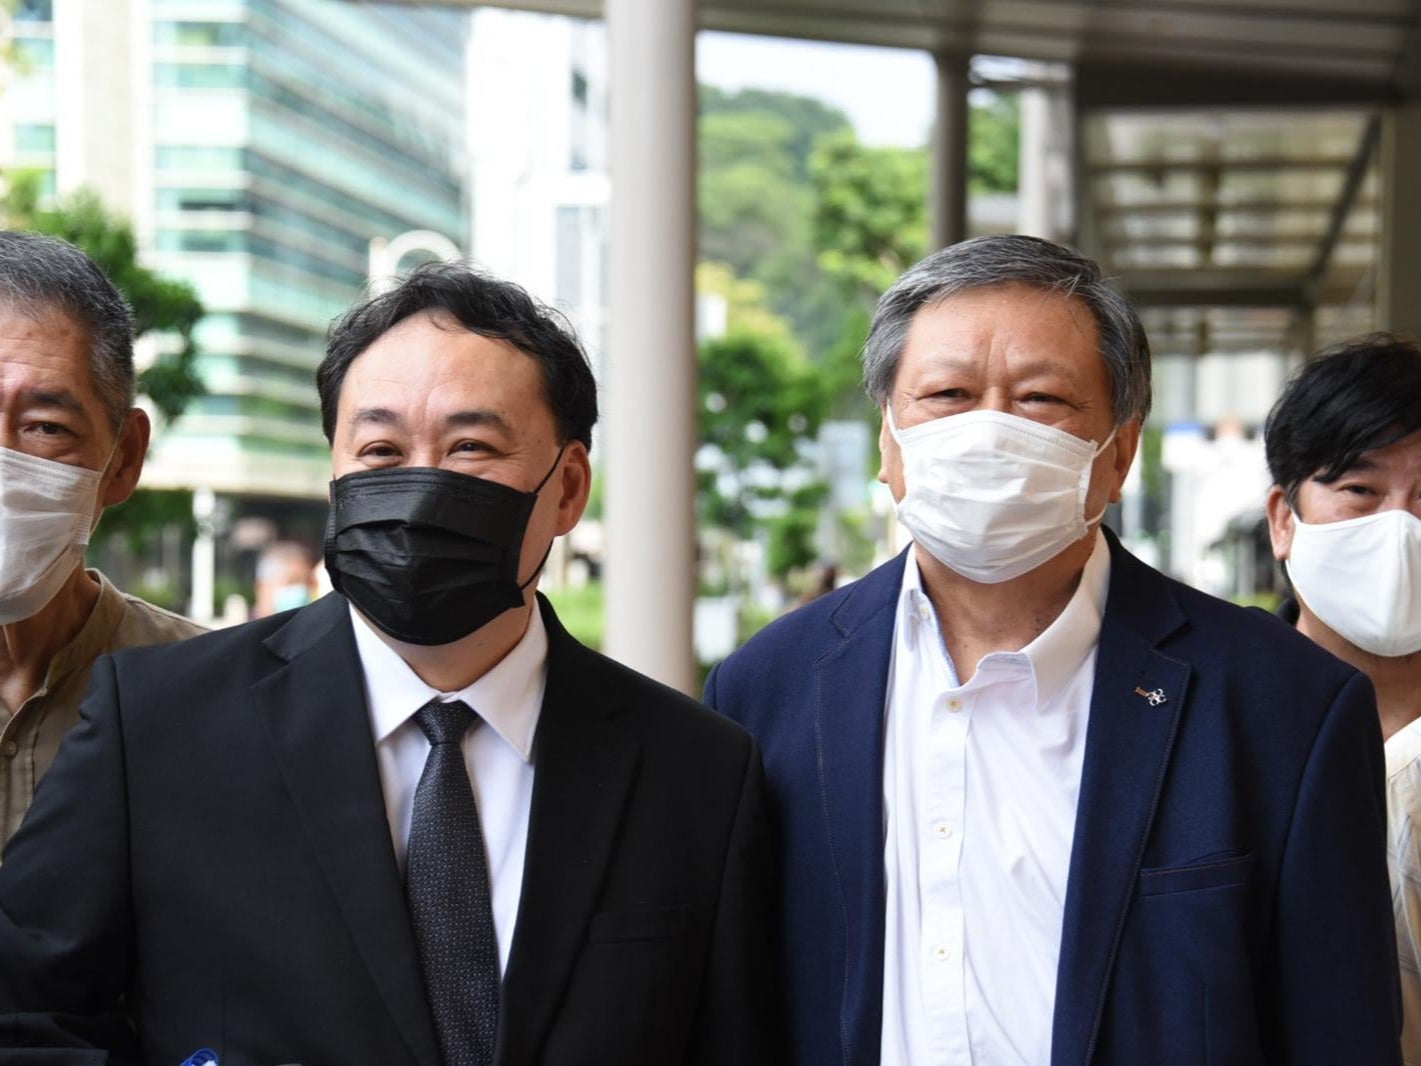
{"x": 650, "y": 923}
{"x": 1220, "y": 872}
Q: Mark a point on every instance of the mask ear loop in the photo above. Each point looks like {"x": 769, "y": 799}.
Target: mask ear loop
{"x": 544, "y": 560}
{"x": 1093, "y": 458}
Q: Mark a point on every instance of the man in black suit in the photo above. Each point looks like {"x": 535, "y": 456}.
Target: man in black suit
{"x": 414, "y": 822}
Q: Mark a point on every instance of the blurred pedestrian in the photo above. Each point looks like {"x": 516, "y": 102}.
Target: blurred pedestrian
{"x": 71, "y": 444}
{"x": 285, "y": 579}
{"x": 1344, "y": 513}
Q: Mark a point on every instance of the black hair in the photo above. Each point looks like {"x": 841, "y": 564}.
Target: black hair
{"x": 40, "y": 274}
{"x": 1360, "y": 395}
{"x": 484, "y": 305}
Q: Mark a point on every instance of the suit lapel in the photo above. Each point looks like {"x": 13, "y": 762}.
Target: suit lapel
{"x": 851, "y": 679}
{"x": 1135, "y": 707}
{"x": 315, "y": 712}
{"x": 584, "y": 765}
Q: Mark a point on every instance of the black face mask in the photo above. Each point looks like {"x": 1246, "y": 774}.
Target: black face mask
{"x": 428, "y": 555}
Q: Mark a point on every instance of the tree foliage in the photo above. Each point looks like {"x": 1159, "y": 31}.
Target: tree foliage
{"x": 994, "y": 142}
{"x": 160, "y": 304}
{"x": 870, "y": 212}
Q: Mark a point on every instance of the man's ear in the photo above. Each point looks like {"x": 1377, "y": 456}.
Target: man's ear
{"x": 887, "y": 446}
{"x": 127, "y": 464}
{"x": 1280, "y": 522}
{"x": 1126, "y": 445}
{"x": 574, "y": 486}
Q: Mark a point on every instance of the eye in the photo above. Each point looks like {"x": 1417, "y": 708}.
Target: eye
{"x": 1041, "y": 397}
{"x": 50, "y": 429}
{"x": 1357, "y": 489}
{"x": 379, "y": 450}
{"x": 473, "y": 446}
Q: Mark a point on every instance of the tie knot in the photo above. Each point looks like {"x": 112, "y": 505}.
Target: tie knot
{"x": 445, "y": 723}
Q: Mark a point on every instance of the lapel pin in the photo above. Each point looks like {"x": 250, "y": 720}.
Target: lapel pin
{"x": 1155, "y": 698}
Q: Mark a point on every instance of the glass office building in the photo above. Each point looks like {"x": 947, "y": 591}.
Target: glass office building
{"x": 286, "y": 134}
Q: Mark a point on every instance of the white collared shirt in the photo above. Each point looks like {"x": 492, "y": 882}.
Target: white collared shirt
{"x": 498, "y": 752}
{"x": 980, "y": 786}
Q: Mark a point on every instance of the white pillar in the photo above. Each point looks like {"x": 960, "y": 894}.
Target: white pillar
{"x": 948, "y": 206}
{"x": 1045, "y": 197}
{"x": 649, "y": 429}
{"x": 1399, "y": 276}
{"x": 204, "y": 556}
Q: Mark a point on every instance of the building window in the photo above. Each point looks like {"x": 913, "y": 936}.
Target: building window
{"x": 34, "y": 11}
{"x": 34, "y": 138}
{"x": 200, "y": 34}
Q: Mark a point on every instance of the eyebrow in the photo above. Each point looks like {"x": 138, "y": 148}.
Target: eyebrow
{"x": 479, "y": 416}
{"x": 1034, "y": 368}
{"x": 60, "y": 399}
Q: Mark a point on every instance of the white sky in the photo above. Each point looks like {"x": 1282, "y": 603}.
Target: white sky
{"x": 886, "y": 92}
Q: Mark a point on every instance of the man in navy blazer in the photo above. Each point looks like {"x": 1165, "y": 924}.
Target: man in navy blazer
{"x": 1036, "y": 803}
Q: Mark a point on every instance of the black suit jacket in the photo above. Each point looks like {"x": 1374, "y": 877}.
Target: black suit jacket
{"x": 208, "y": 864}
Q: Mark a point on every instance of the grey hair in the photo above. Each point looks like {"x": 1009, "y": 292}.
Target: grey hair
{"x": 1002, "y": 260}
{"x": 40, "y": 275}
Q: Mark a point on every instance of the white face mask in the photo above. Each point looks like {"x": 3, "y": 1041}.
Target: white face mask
{"x": 46, "y": 511}
{"x": 1362, "y": 578}
{"x": 993, "y": 496}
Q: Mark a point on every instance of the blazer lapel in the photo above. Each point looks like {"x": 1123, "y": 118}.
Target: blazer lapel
{"x": 851, "y": 680}
{"x": 316, "y": 717}
{"x": 585, "y": 763}
{"x": 1135, "y": 707}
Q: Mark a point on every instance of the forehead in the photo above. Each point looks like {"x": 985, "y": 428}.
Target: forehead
{"x": 431, "y": 364}
{"x": 46, "y": 341}
{"x": 1001, "y": 328}
{"x": 1399, "y": 459}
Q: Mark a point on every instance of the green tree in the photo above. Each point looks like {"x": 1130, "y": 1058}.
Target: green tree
{"x": 756, "y": 202}
{"x": 160, "y": 304}
{"x": 994, "y": 142}
{"x": 808, "y": 119}
{"x": 870, "y": 213}
{"x": 759, "y": 402}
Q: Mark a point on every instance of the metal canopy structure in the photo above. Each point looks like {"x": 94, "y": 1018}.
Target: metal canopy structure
{"x": 1227, "y": 149}
{"x": 1151, "y": 52}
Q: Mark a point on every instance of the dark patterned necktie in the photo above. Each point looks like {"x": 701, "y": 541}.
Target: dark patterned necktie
{"x": 447, "y": 885}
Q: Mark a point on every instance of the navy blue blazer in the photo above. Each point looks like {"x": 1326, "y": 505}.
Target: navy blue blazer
{"x": 1227, "y": 901}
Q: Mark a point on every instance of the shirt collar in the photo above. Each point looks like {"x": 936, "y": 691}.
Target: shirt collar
{"x": 94, "y": 635}
{"x": 1058, "y": 652}
{"x": 509, "y": 697}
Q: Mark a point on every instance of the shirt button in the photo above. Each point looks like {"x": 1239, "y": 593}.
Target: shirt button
{"x": 941, "y": 953}
{"x": 944, "y": 830}
{"x": 954, "y": 705}
{"x": 10, "y": 750}
{"x": 924, "y": 611}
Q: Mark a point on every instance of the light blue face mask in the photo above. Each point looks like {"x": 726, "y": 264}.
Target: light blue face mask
{"x": 289, "y": 597}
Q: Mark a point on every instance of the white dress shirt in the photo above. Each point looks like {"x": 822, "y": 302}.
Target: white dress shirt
{"x": 980, "y": 786}
{"x": 498, "y": 752}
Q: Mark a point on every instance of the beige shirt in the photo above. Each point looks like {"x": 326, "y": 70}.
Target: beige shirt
{"x": 1403, "y": 854}
{"x": 30, "y": 737}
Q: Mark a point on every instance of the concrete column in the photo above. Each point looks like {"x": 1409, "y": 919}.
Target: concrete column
{"x": 948, "y": 206}
{"x": 1399, "y": 273}
{"x": 1045, "y": 195}
{"x": 204, "y": 556}
{"x": 649, "y": 429}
